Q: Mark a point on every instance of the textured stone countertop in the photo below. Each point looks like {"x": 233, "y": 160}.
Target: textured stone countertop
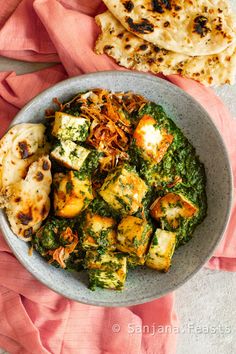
{"x": 206, "y": 305}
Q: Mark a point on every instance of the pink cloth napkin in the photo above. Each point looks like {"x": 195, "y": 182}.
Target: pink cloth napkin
{"x": 33, "y": 319}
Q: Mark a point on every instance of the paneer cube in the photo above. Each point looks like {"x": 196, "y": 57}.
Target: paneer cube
{"x": 161, "y": 250}
{"x": 152, "y": 140}
{"x": 124, "y": 190}
{"x": 70, "y": 155}
{"x": 171, "y": 208}
{"x": 98, "y": 231}
{"x": 133, "y": 236}
{"x": 71, "y": 194}
{"x": 107, "y": 270}
{"x": 68, "y": 127}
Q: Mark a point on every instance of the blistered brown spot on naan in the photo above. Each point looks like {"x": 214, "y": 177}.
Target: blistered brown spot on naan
{"x": 142, "y": 27}
{"x": 128, "y": 5}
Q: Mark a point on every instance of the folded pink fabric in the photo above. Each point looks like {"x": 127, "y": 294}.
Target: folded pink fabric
{"x": 33, "y": 319}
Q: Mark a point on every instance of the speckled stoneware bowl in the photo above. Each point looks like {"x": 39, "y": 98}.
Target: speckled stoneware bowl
{"x": 142, "y": 284}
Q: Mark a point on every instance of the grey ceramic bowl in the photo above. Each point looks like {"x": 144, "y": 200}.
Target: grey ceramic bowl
{"x": 143, "y": 284}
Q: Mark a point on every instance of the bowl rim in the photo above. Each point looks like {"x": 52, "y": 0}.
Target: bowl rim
{"x": 3, "y": 218}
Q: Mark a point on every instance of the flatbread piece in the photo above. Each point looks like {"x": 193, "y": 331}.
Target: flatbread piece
{"x": 191, "y": 27}
{"x": 135, "y": 53}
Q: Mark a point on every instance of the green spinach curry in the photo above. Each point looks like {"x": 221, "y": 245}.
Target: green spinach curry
{"x": 128, "y": 187}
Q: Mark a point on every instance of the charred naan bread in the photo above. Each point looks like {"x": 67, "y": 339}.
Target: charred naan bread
{"x": 191, "y": 27}
{"x": 25, "y": 178}
{"x": 19, "y": 147}
{"x": 133, "y": 52}
{"x": 27, "y": 202}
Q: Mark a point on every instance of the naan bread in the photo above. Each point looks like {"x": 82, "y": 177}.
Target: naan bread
{"x": 191, "y": 27}
{"x": 135, "y": 53}
{"x": 27, "y": 202}
{"x": 19, "y": 147}
{"x": 25, "y": 178}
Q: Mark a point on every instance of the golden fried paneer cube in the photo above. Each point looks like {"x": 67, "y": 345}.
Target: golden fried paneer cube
{"x": 153, "y": 141}
{"x": 70, "y": 155}
{"x": 72, "y": 195}
{"x": 133, "y": 236}
{"x": 161, "y": 250}
{"x": 68, "y": 127}
{"x": 124, "y": 190}
{"x": 171, "y": 207}
{"x": 98, "y": 231}
{"x": 107, "y": 270}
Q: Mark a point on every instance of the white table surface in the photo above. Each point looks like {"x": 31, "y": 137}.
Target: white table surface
{"x": 206, "y": 305}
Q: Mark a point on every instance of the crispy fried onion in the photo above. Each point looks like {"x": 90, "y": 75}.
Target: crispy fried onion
{"x": 177, "y": 180}
{"x": 50, "y": 113}
{"x": 111, "y": 128}
{"x": 62, "y": 253}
